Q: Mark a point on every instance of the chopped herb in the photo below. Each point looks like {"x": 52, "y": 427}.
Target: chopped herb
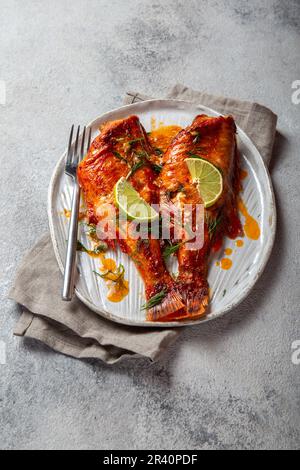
{"x": 119, "y": 273}
{"x": 224, "y": 292}
{"x": 158, "y": 151}
{"x": 155, "y": 300}
{"x": 157, "y": 168}
{"x": 213, "y": 224}
{"x": 141, "y": 242}
{"x": 138, "y": 248}
{"x": 144, "y": 157}
{"x": 135, "y": 141}
{"x": 81, "y": 247}
{"x": 170, "y": 250}
{"x": 119, "y": 156}
{"x": 101, "y": 248}
{"x": 135, "y": 167}
{"x": 92, "y": 232}
{"x": 141, "y": 154}
{"x": 102, "y": 275}
{"x": 196, "y": 136}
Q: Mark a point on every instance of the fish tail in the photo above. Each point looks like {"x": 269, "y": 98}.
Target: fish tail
{"x": 171, "y": 305}
{"x": 196, "y": 302}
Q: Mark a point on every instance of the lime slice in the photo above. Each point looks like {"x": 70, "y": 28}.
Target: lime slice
{"x": 128, "y": 200}
{"x": 209, "y": 179}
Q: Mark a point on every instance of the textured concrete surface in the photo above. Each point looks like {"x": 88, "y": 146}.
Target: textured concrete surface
{"x": 228, "y": 384}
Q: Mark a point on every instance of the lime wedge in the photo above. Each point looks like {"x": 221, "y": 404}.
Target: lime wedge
{"x": 208, "y": 178}
{"x": 128, "y": 200}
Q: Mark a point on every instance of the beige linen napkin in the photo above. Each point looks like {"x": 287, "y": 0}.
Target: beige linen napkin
{"x": 70, "y": 327}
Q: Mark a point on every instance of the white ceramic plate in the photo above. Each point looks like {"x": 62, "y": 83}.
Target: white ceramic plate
{"x": 228, "y": 288}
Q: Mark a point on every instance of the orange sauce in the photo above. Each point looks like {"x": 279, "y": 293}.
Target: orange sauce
{"x": 226, "y": 263}
{"x": 92, "y": 254}
{"x": 162, "y": 136}
{"x": 243, "y": 174}
{"x": 251, "y": 227}
{"x": 118, "y": 287}
{"x": 239, "y": 243}
{"x": 228, "y": 251}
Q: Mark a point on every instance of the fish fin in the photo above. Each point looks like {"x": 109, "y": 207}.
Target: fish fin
{"x": 196, "y": 301}
{"x": 195, "y": 295}
{"x": 172, "y": 304}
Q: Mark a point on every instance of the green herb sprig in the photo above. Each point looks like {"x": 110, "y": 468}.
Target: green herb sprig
{"x": 193, "y": 155}
{"x": 101, "y": 248}
{"x": 171, "y": 249}
{"x": 196, "y": 136}
{"x": 156, "y": 167}
{"x": 155, "y": 300}
{"x": 92, "y": 232}
{"x": 144, "y": 157}
{"x": 135, "y": 141}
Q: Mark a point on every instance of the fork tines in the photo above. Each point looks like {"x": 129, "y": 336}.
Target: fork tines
{"x": 77, "y": 151}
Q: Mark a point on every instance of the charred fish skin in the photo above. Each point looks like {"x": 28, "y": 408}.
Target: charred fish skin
{"x": 122, "y": 149}
{"x": 111, "y": 156}
{"x": 212, "y": 139}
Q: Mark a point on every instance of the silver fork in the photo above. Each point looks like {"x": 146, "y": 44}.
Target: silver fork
{"x": 74, "y": 156}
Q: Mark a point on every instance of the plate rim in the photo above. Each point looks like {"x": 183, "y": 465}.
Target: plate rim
{"x": 267, "y": 253}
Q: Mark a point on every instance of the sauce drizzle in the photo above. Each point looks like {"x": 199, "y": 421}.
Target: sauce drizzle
{"x": 243, "y": 174}
{"x": 67, "y": 214}
{"x": 118, "y": 287}
{"x": 226, "y": 263}
{"x": 251, "y": 227}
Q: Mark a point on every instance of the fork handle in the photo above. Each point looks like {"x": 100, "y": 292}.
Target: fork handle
{"x": 70, "y": 264}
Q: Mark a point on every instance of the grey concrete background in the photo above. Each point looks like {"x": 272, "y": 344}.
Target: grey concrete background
{"x": 228, "y": 384}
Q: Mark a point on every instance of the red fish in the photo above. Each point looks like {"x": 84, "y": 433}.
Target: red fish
{"x": 212, "y": 139}
{"x": 122, "y": 149}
